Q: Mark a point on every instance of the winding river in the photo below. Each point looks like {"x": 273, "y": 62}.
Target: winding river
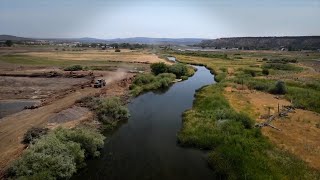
{"x": 146, "y": 146}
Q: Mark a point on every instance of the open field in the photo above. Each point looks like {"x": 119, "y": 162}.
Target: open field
{"x": 246, "y": 81}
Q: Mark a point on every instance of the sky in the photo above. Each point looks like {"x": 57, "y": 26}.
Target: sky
{"x": 108, "y": 19}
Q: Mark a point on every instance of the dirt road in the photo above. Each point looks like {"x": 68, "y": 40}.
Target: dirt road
{"x": 13, "y": 127}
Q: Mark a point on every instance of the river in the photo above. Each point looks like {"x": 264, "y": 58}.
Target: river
{"x": 146, "y": 146}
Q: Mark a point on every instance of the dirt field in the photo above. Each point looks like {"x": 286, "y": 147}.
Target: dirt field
{"x": 299, "y": 132}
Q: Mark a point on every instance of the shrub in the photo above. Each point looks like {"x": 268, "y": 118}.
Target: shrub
{"x": 281, "y": 66}
{"x": 74, "y": 68}
{"x": 142, "y": 79}
{"x": 251, "y": 72}
{"x": 158, "y": 68}
{"x": 147, "y": 82}
{"x": 57, "y": 155}
{"x": 34, "y": 133}
{"x": 179, "y": 70}
{"x": 117, "y": 50}
{"x": 265, "y": 72}
{"x": 111, "y": 109}
{"x": 279, "y": 88}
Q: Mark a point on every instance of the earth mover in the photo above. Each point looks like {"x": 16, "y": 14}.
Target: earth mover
{"x": 99, "y": 83}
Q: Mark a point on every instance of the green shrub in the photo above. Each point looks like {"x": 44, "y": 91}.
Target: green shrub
{"x": 158, "y": 68}
{"x": 142, "y": 79}
{"x": 279, "y": 88}
{"x": 147, "y": 82}
{"x": 57, "y": 155}
{"x": 281, "y": 66}
{"x": 33, "y": 134}
{"x": 178, "y": 69}
{"x": 265, "y": 72}
{"x": 74, "y": 68}
{"x": 251, "y": 72}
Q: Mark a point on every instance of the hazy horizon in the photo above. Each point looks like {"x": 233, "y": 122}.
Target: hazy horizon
{"x": 162, "y": 19}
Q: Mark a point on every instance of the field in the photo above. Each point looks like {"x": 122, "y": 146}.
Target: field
{"x": 247, "y": 83}
{"x": 39, "y": 74}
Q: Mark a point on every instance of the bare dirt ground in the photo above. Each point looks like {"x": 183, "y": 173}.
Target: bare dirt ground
{"x": 57, "y": 112}
{"x": 299, "y": 132}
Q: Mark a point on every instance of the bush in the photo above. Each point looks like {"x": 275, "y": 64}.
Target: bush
{"x": 34, "y": 133}
{"x": 265, "y": 72}
{"x": 147, "y": 82}
{"x": 179, "y": 70}
{"x": 117, "y": 50}
{"x": 74, "y": 68}
{"x": 251, "y": 72}
{"x": 279, "y": 88}
{"x": 158, "y": 68}
{"x": 142, "y": 79}
{"x": 57, "y": 155}
{"x": 281, "y": 66}
{"x": 110, "y": 109}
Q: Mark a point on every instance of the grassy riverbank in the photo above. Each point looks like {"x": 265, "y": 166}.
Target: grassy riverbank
{"x": 237, "y": 149}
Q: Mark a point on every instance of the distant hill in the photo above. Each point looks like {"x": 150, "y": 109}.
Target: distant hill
{"x": 289, "y": 42}
{"x": 146, "y": 40}
{"x": 13, "y": 38}
{"x": 140, "y": 40}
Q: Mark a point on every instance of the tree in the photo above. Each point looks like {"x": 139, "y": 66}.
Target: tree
{"x": 158, "y": 68}
{"x": 9, "y": 43}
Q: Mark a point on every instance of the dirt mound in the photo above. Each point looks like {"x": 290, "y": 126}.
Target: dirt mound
{"x": 69, "y": 114}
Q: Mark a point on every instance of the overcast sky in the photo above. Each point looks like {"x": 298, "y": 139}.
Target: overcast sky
{"x": 159, "y": 18}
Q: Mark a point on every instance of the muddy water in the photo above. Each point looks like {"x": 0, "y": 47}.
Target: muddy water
{"x": 146, "y": 146}
{"x": 8, "y": 107}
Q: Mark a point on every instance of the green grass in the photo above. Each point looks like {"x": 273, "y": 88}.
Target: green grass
{"x": 238, "y": 151}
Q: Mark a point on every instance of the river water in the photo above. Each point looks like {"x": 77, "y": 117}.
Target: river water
{"x": 146, "y": 146}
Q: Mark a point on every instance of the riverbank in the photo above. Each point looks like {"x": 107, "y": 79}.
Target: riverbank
{"x": 237, "y": 148}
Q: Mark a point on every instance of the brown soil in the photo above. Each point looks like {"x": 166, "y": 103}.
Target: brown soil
{"x": 299, "y": 133}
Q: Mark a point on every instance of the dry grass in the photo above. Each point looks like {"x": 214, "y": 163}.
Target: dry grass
{"x": 299, "y": 134}
{"x": 98, "y": 55}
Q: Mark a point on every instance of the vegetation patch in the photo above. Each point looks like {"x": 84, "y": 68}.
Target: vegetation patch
{"x": 238, "y": 151}
{"x": 33, "y": 134}
{"x": 147, "y": 82}
{"x": 58, "y": 154}
{"x": 74, "y": 68}
{"x": 109, "y": 111}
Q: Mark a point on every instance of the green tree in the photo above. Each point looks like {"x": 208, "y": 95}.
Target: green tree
{"x": 158, "y": 68}
{"x": 9, "y": 43}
